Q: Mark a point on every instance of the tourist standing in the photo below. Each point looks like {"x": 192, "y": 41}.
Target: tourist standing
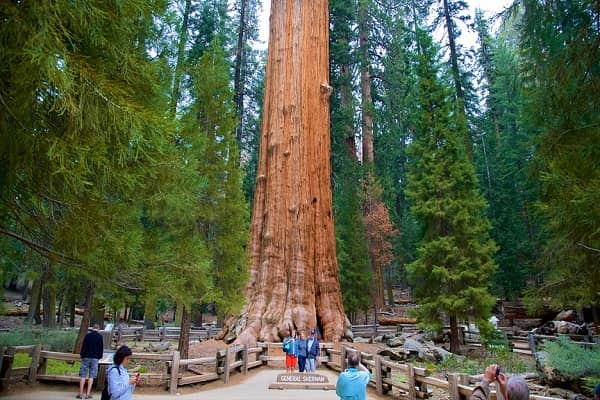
{"x": 120, "y": 384}
{"x": 313, "y": 351}
{"x": 91, "y": 352}
{"x": 302, "y": 352}
{"x": 290, "y": 347}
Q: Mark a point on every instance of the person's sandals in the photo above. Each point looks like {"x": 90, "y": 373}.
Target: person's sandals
{"x": 89, "y": 396}
{"x": 79, "y": 396}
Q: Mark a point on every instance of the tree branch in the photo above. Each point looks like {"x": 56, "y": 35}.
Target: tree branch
{"x": 41, "y": 249}
{"x": 587, "y": 247}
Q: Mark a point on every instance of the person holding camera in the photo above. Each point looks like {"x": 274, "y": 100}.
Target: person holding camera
{"x": 120, "y": 384}
{"x": 513, "y": 388}
{"x": 352, "y": 383}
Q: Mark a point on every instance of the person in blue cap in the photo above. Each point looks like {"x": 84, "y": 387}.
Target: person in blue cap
{"x": 312, "y": 352}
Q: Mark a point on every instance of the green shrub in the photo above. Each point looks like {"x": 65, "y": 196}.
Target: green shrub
{"x": 459, "y": 364}
{"x": 54, "y": 339}
{"x": 507, "y": 360}
{"x": 571, "y": 359}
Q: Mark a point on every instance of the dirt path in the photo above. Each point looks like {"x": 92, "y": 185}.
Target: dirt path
{"x": 254, "y": 386}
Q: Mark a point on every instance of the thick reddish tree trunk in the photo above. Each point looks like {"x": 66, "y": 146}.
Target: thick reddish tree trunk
{"x": 294, "y": 281}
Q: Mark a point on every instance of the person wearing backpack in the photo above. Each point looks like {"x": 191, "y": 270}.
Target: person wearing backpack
{"x": 120, "y": 385}
{"x": 290, "y": 347}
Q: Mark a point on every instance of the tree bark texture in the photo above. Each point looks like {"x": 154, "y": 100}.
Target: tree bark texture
{"x": 238, "y": 80}
{"x": 34, "y": 303}
{"x": 293, "y": 276}
{"x": 85, "y": 320}
{"x": 184, "y": 337}
{"x": 368, "y": 153}
{"x": 49, "y": 296}
{"x": 460, "y": 96}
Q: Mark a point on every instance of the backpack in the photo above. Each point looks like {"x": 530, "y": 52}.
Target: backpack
{"x": 287, "y": 345}
{"x": 105, "y": 395}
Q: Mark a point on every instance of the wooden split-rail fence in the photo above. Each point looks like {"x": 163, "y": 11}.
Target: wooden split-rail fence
{"x": 139, "y": 333}
{"x": 388, "y": 377}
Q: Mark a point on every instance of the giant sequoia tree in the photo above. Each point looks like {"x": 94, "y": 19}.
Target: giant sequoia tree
{"x": 294, "y": 281}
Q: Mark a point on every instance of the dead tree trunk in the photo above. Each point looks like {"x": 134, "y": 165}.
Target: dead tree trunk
{"x": 293, "y": 281}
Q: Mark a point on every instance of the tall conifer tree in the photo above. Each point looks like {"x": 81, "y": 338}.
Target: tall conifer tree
{"x": 454, "y": 258}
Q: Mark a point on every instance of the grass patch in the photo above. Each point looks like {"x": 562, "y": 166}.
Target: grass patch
{"x": 498, "y": 354}
{"x": 54, "y": 339}
{"x": 54, "y": 367}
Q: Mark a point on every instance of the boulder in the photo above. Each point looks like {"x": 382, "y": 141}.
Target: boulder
{"x": 395, "y": 354}
{"x": 395, "y": 342}
{"x": 566, "y": 315}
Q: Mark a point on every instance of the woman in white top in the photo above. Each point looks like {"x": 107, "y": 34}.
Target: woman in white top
{"x": 120, "y": 385}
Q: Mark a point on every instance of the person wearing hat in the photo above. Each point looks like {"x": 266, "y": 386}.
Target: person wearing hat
{"x": 312, "y": 352}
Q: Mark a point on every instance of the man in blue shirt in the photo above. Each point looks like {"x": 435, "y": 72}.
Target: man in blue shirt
{"x": 313, "y": 350}
{"x": 352, "y": 383}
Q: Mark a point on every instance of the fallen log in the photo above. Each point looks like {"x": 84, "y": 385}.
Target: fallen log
{"x": 395, "y": 320}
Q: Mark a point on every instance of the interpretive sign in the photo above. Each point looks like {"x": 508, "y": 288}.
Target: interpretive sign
{"x": 302, "y": 381}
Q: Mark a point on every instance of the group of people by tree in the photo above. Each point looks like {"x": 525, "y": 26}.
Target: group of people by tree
{"x": 302, "y": 352}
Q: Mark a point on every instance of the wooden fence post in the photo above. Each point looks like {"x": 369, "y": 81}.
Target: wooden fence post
{"x": 43, "y": 363}
{"x": 378, "y": 375}
{"x": 35, "y": 360}
{"x": 245, "y": 359}
{"x": 412, "y": 389}
{"x": 343, "y": 358}
{"x": 174, "y": 373}
{"x": 2, "y": 350}
{"x": 264, "y": 353}
{"x": 453, "y": 387}
{"x": 226, "y": 377}
{"x": 531, "y": 340}
{"x": 6, "y": 368}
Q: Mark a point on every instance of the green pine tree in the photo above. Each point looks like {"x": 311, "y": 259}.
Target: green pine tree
{"x": 454, "y": 258}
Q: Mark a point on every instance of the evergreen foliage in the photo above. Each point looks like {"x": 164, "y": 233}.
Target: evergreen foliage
{"x": 561, "y": 56}
{"x": 223, "y": 216}
{"x": 454, "y": 257}
{"x": 503, "y": 162}
{"x": 571, "y": 359}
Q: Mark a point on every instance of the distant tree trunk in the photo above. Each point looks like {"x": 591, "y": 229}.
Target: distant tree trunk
{"x": 72, "y": 312}
{"x": 61, "y": 310}
{"x": 178, "y": 313}
{"x": 293, "y": 281}
{"x": 238, "y": 80}
{"x": 97, "y": 316}
{"x": 184, "y": 337}
{"x": 454, "y": 339}
{"x": 149, "y": 314}
{"x": 49, "y": 296}
{"x": 85, "y": 320}
{"x": 365, "y": 86}
{"x": 183, "y": 35}
{"x": 34, "y": 304}
{"x": 346, "y": 100}
{"x": 460, "y": 96}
